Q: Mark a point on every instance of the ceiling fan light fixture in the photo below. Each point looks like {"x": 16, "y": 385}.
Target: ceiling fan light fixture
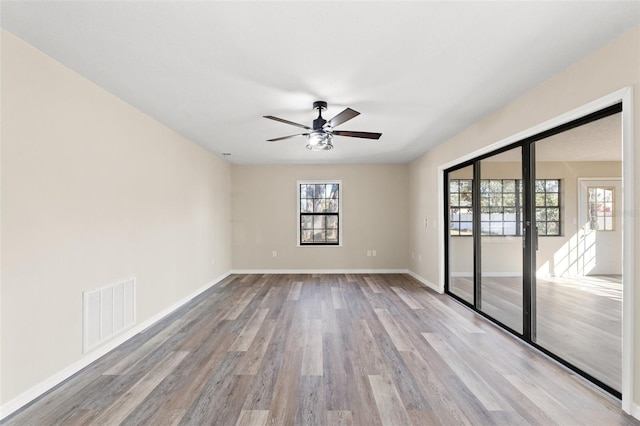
{"x": 320, "y": 141}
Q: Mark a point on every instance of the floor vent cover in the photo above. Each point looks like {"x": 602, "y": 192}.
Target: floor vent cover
{"x": 108, "y": 311}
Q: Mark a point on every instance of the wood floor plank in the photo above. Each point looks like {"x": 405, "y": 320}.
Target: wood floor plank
{"x": 338, "y": 418}
{"x": 248, "y": 333}
{"x": 337, "y": 298}
{"x": 356, "y": 349}
{"x": 488, "y": 396}
{"x": 253, "y": 418}
{"x": 395, "y": 332}
{"x": 406, "y": 298}
{"x": 370, "y": 360}
{"x": 237, "y": 309}
{"x": 250, "y": 364}
{"x": 541, "y": 398}
{"x": 390, "y": 406}
{"x": 157, "y": 340}
{"x": 373, "y": 285}
{"x": 119, "y": 410}
{"x": 312, "y": 357}
{"x": 294, "y": 293}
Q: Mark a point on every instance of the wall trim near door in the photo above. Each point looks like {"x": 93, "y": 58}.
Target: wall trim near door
{"x": 624, "y": 96}
{"x": 31, "y": 394}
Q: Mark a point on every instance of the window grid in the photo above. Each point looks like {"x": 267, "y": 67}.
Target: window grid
{"x": 319, "y": 213}
{"x": 460, "y": 207}
{"x": 501, "y": 203}
{"x": 600, "y": 208}
{"x": 548, "y": 206}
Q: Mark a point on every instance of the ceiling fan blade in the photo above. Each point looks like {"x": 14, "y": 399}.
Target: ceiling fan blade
{"x": 282, "y": 120}
{"x": 286, "y": 137}
{"x": 366, "y": 135}
{"x": 345, "y": 115}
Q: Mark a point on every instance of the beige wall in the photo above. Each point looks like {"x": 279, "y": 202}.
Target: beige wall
{"x": 375, "y": 212}
{"x": 93, "y": 191}
{"x": 613, "y": 67}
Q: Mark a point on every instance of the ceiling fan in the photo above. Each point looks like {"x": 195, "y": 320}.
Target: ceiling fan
{"x": 320, "y": 135}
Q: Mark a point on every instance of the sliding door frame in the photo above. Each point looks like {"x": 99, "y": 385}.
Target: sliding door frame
{"x": 624, "y": 99}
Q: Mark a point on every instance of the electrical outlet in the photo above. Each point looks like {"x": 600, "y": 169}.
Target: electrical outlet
{"x": 368, "y": 253}
{"x": 274, "y": 254}
{"x": 373, "y": 253}
{"x": 426, "y": 222}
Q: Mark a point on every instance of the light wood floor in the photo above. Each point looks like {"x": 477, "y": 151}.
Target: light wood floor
{"x": 323, "y": 349}
{"x": 579, "y": 319}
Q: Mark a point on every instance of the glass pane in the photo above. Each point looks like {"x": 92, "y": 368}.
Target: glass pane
{"x": 306, "y": 236}
{"x": 466, "y": 228}
{"x": 318, "y": 222}
{"x": 501, "y": 284}
{"x": 307, "y": 222}
{"x": 578, "y": 274}
{"x": 333, "y": 206}
{"x": 332, "y": 236}
{"x": 319, "y": 236}
{"x": 332, "y": 222}
{"x": 509, "y": 185}
{"x": 553, "y": 228}
{"x": 460, "y": 253}
{"x": 306, "y": 206}
{"x": 552, "y": 199}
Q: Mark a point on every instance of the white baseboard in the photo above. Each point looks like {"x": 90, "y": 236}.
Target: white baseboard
{"x": 635, "y": 410}
{"x": 319, "y": 271}
{"x": 487, "y": 274}
{"x": 426, "y": 282}
{"x": 42, "y": 387}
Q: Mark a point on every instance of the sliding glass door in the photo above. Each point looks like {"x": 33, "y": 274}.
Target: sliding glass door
{"x": 535, "y": 242}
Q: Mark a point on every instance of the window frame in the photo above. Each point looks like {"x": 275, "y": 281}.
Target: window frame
{"x": 299, "y": 213}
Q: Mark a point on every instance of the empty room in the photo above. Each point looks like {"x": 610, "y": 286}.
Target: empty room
{"x": 328, "y": 213}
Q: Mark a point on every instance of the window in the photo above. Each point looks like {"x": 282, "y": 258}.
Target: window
{"x": 501, "y": 207}
{"x": 600, "y": 210}
{"x": 319, "y": 213}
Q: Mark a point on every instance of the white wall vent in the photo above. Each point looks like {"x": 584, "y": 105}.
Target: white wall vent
{"x": 108, "y": 311}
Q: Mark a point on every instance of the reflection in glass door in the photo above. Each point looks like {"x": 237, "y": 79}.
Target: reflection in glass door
{"x": 578, "y": 277}
{"x": 501, "y": 239}
{"x": 460, "y": 238}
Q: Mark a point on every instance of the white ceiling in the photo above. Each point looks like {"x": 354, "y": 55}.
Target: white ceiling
{"x": 419, "y": 72}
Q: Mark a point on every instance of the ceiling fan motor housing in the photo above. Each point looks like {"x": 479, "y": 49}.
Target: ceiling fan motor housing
{"x": 319, "y": 122}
